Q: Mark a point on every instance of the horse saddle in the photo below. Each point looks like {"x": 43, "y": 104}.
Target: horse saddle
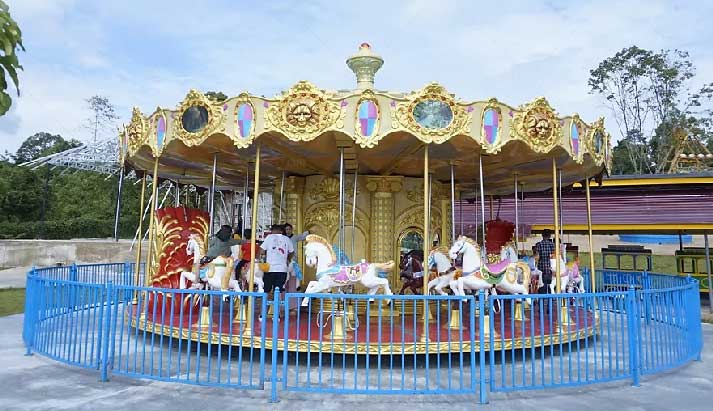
{"x": 496, "y": 269}
{"x": 349, "y": 273}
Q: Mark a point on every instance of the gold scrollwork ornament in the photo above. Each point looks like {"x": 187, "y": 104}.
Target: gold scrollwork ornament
{"x": 597, "y": 141}
{"x": 136, "y": 131}
{"x": 403, "y": 116}
{"x": 304, "y": 113}
{"x": 214, "y": 124}
{"x": 537, "y": 124}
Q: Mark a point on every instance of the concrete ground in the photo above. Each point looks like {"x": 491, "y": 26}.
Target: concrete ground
{"x": 38, "y": 383}
{"x": 14, "y": 277}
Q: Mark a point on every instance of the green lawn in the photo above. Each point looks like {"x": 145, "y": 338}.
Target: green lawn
{"x": 664, "y": 264}
{"x": 12, "y": 301}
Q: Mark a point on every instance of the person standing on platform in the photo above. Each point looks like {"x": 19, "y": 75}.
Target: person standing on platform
{"x": 294, "y": 272}
{"x": 278, "y": 250}
{"x": 544, "y": 250}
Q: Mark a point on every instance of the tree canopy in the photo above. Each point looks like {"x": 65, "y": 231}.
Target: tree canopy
{"x": 10, "y": 43}
{"x": 651, "y": 97}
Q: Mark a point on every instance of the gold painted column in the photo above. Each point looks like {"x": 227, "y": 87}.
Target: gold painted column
{"x": 589, "y": 236}
{"x": 381, "y": 234}
{"x": 444, "y": 197}
{"x": 149, "y": 269}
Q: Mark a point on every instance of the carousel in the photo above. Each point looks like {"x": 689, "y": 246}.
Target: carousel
{"x": 374, "y": 177}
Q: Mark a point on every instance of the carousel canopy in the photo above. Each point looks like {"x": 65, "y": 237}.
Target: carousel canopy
{"x": 302, "y": 131}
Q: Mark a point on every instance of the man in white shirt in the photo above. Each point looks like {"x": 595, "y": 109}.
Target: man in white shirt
{"x": 277, "y": 249}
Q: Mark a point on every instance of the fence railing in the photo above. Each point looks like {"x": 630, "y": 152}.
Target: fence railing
{"x": 95, "y": 316}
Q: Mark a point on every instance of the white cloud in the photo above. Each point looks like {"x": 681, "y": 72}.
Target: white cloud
{"x": 151, "y": 53}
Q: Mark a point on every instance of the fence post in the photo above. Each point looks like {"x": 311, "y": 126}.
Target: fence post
{"x": 275, "y": 339}
{"x": 632, "y": 315}
{"x": 128, "y": 272}
{"x": 30, "y": 317}
{"x": 105, "y": 335}
{"x": 73, "y": 272}
{"x": 695, "y": 308}
{"x": 481, "y": 342}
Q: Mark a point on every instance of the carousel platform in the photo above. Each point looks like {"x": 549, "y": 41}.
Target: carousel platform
{"x": 376, "y": 332}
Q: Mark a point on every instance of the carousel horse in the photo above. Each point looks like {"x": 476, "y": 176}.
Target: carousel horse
{"x": 564, "y": 273}
{"x": 535, "y": 274}
{"x": 471, "y": 278}
{"x": 446, "y": 273}
{"x": 576, "y": 280}
{"x": 507, "y": 276}
{"x": 217, "y": 274}
{"x": 411, "y": 272}
{"x": 258, "y": 276}
{"x": 320, "y": 254}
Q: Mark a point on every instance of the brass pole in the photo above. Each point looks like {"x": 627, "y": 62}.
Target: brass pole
{"x": 589, "y": 229}
{"x": 426, "y": 236}
{"x": 557, "y": 224}
{"x": 154, "y": 189}
{"x": 253, "y": 223}
{"x": 137, "y": 268}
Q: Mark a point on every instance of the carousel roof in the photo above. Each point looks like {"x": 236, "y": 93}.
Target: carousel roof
{"x": 382, "y": 133}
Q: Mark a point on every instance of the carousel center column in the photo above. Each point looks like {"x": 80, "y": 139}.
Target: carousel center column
{"x": 292, "y": 208}
{"x": 381, "y": 235}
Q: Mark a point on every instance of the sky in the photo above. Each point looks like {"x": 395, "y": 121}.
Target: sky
{"x": 150, "y": 53}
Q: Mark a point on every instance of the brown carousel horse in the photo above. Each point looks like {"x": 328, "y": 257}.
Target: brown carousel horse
{"x": 411, "y": 272}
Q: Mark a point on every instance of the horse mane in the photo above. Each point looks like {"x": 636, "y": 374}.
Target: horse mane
{"x": 469, "y": 241}
{"x": 440, "y": 249}
{"x": 314, "y": 238}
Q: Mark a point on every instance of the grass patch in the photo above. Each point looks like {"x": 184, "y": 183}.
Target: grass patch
{"x": 12, "y": 301}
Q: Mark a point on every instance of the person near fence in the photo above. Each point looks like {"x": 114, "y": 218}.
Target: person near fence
{"x": 278, "y": 250}
{"x": 294, "y": 271}
{"x": 543, "y": 252}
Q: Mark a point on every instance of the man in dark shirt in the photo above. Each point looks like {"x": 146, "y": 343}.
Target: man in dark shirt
{"x": 545, "y": 250}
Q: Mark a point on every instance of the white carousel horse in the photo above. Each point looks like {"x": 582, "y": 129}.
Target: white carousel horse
{"x": 564, "y": 274}
{"x": 507, "y": 276}
{"x": 258, "y": 276}
{"x": 576, "y": 280}
{"x": 471, "y": 277}
{"x": 217, "y": 274}
{"x": 445, "y": 270}
{"x": 319, "y": 253}
{"x": 509, "y": 253}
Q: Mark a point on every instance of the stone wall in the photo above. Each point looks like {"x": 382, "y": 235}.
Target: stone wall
{"x": 40, "y": 253}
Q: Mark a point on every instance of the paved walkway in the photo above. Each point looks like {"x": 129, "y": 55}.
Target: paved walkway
{"x": 13, "y": 277}
{"x": 37, "y": 383}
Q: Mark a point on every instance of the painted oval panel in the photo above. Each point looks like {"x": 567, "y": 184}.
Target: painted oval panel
{"x": 368, "y": 115}
{"x": 574, "y": 135}
{"x": 160, "y": 131}
{"x": 433, "y": 114}
{"x": 491, "y": 125}
{"x": 194, "y": 119}
{"x": 245, "y": 119}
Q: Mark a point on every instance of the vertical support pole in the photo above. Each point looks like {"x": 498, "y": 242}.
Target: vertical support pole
{"x": 245, "y": 201}
{"x": 593, "y": 273}
{"x": 211, "y": 206}
{"x": 137, "y": 268}
{"x": 118, "y": 204}
{"x": 354, "y": 200}
{"x": 341, "y": 200}
{"x": 482, "y": 196}
{"x": 148, "y": 271}
{"x": 555, "y": 204}
{"x": 482, "y": 335}
{"x": 460, "y": 211}
{"x": 232, "y": 209}
{"x": 517, "y": 219}
{"x": 178, "y": 195}
{"x": 282, "y": 194}
{"x": 708, "y": 271}
{"x": 522, "y": 212}
{"x": 426, "y": 237}
{"x": 251, "y": 282}
{"x": 453, "y": 205}
{"x": 561, "y": 209}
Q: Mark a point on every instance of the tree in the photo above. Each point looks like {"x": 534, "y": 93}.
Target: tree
{"x": 217, "y": 96}
{"x": 649, "y": 96}
{"x": 103, "y": 115}
{"x": 10, "y": 42}
{"x": 42, "y": 144}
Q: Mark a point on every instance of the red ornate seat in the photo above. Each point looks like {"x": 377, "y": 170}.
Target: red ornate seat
{"x": 498, "y": 233}
{"x": 173, "y": 227}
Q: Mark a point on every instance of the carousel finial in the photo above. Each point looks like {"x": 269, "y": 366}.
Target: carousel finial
{"x": 365, "y": 63}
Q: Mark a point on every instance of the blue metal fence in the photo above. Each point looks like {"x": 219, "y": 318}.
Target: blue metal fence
{"x": 97, "y": 316}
